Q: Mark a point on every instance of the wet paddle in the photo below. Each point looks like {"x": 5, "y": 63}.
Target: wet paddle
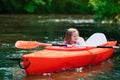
{"x": 35, "y": 44}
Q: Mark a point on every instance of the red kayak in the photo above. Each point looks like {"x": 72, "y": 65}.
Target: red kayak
{"x": 52, "y": 58}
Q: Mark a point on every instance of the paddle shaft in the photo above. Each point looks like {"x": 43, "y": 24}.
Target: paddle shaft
{"x": 35, "y": 44}
{"x": 115, "y": 47}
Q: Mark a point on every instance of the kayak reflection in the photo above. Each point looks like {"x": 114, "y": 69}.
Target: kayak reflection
{"x": 89, "y": 73}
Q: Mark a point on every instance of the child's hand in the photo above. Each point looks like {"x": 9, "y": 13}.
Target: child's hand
{"x": 73, "y": 45}
{"x": 69, "y": 46}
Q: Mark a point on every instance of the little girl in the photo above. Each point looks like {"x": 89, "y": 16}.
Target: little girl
{"x": 72, "y": 38}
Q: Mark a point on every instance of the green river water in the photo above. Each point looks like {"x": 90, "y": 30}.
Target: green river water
{"x": 51, "y": 28}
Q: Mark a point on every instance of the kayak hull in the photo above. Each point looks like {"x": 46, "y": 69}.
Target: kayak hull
{"x": 54, "y": 59}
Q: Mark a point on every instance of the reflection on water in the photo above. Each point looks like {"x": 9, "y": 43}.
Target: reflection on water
{"x": 51, "y": 29}
{"x": 82, "y": 73}
{"x": 85, "y": 73}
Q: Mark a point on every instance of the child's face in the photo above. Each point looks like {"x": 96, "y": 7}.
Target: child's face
{"x": 74, "y": 37}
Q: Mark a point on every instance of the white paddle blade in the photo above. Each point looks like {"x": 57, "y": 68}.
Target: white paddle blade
{"x": 96, "y": 39}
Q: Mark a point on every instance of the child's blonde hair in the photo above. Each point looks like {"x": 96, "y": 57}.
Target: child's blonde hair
{"x": 69, "y": 34}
